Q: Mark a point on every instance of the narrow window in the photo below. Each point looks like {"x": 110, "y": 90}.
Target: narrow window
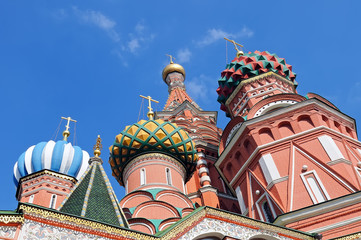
{"x": 317, "y": 192}
{"x": 142, "y": 176}
{"x": 314, "y": 186}
{"x": 168, "y": 176}
{"x": 267, "y": 212}
{"x": 31, "y": 199}
{"x": 52, "y": 201}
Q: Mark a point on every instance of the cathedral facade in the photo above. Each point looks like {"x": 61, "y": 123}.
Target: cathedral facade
{"x": 285, "y": 167}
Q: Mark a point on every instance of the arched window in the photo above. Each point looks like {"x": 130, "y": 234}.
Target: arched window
{"x": 31, "y": 198}
{"x": 168, "y": 176}
{"x": 53, "y": 201}
{"x": 142, "y": 176}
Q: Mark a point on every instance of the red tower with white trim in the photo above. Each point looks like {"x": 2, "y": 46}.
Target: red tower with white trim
{"x": 291, "y": 160}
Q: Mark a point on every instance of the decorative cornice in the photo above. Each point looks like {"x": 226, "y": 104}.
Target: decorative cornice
{"x": 256, "y": 78}
{"x": 187, "y": 223}
{"x": 81, "y": 224}
{"x": 48, "y": 172}
{"x": 11, "y": 218}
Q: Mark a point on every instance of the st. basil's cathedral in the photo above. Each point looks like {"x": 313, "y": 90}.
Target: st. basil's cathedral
{"x": 286, "y": 166}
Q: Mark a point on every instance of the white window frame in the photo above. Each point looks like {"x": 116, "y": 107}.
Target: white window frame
{"x": 143, "y": 179}
{"x": 31, "y": 198}
{"x": 53, "y": 199}
{"x": 259, "y": 207}
{"x": 313, "y": 191}
{"x": 168, "y": 176}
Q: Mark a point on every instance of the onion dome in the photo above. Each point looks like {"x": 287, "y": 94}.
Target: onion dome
{"x": 250, "y": 65}
{"x": 173, "y": 67}
{"x": 152, "y": 136}
{"x": 58, "y": 156}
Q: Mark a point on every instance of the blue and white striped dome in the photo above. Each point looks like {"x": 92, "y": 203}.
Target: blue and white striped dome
{"x": 58, "y": 156}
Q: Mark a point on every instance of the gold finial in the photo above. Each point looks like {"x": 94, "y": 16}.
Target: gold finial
{"x": 97, "y": 147}
{"x": 239, "y": 52}
{"x": 66, "y": 133}
{"x": 150, "y": 114}
{"x": 171, "y": 58}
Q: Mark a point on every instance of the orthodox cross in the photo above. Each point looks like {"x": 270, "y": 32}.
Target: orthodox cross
{"x": 239, "y": 52}
{"x": 150, "y": 114}
{"x": 97, "y": 147}
{"x": 171, "y": 58}
{"x": 66, "y": 133}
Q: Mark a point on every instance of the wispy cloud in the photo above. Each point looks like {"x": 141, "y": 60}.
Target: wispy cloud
{"x": 133, "y": 45}
{"x": 202, "y": 88}
{"x": 213, "y": 35}
{"x": 183, "y": 55}
{"x": 99, "y": 20}
{"x": 138, "y": 38}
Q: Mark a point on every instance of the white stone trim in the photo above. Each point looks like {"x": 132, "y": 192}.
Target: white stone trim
{"x": 330, "y": 147}
{"x": 271, "y": 184}
{"x": 201, "y": 155}
{"x": 240, "y": 199}
{"x": 245, "y": 165}
{"x": 315, "y": 210}
{"x": 312, "y": 190}
{"x": 272, "y": 105}
{"x": 201, "y": 162}
{"x": 203, "y": 170}
{"x": 269, "y": 168}
{"x": 336, "y": 225}
{"x": 205, "y": 178}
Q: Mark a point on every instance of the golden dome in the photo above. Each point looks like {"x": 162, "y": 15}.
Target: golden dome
{"x": 173, "y": 67}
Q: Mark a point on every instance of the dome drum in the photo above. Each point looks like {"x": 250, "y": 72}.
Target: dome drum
{"x": 250, "y": 65}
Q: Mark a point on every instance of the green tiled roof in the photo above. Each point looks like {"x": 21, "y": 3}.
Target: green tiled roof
{"x": 94, "y": 198}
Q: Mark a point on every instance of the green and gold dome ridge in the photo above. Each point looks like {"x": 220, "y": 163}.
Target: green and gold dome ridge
{"x": 148, "y": 136}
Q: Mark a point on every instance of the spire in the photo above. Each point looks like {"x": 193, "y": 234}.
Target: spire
{"x": 97, "y": 147}
{"x": 150, "y": 113}
{"x": 174, "y": 76}
{"x": 66, "y": 133}
{"x": 93, "y": 196}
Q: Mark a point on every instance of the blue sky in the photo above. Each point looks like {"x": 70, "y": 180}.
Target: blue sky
{"x": 91, "y": 61}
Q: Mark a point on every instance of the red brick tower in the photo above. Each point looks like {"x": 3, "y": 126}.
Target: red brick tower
{"x": 153, "y": 159}
{"x": 205, "y": 188}
{"x": 291, "y": 160}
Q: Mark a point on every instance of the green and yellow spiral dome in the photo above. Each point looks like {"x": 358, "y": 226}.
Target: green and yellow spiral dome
{"x": 152, "y": 136}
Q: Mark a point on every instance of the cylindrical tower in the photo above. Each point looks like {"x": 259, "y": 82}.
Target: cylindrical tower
{"x": 153, "y": 159}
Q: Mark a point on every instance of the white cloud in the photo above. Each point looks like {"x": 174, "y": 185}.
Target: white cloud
{"x": 202, "y": 88}
{"x": 214, "y": 35}
{"x": 133, "y": 45}
{"x": 99, "y": 20}
{"x": 183, "y": 55}
{"x": 139, "y": 28}
{"x": 138, "y": 38}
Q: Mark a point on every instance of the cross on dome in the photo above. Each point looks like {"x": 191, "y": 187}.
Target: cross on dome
{"x": 66, "y": 133}
{"x": 150, "y": 114}
{"x": 239, "y": 52}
